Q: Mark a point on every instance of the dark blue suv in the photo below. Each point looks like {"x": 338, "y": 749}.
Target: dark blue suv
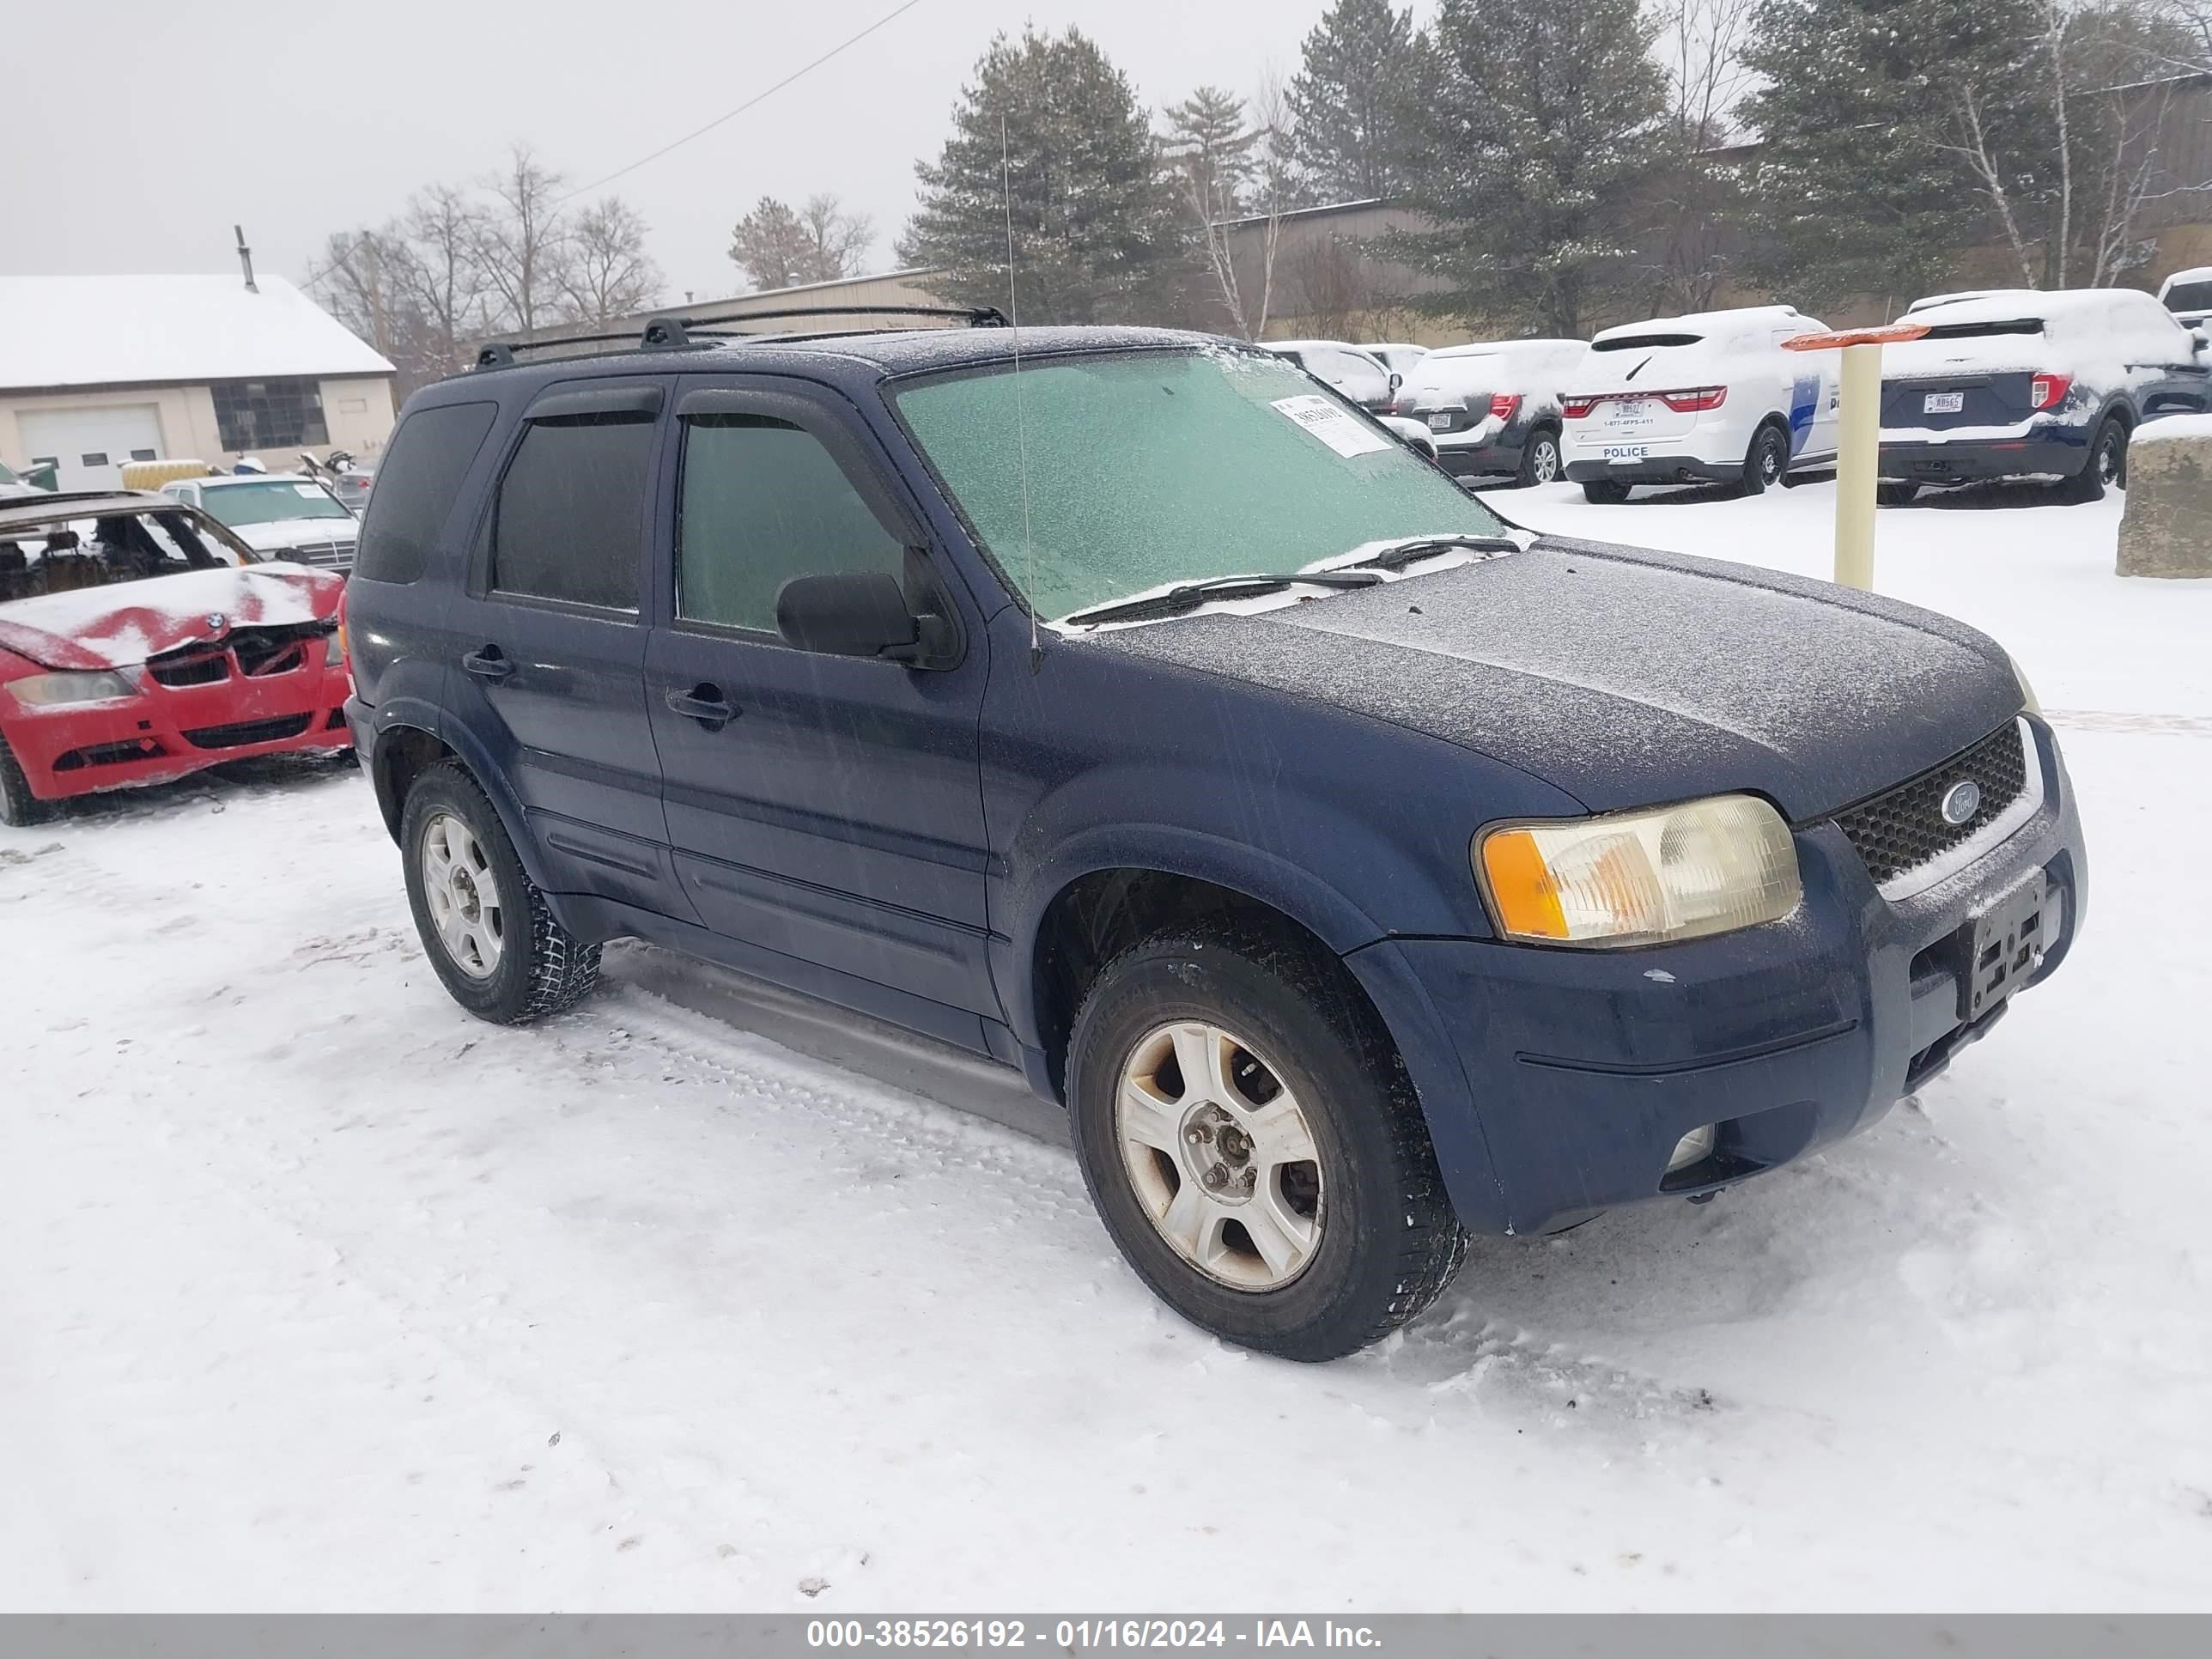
{"x": 1359, "y": 871}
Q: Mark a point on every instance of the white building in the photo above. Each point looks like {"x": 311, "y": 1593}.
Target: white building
{"x": 95, "y": 371}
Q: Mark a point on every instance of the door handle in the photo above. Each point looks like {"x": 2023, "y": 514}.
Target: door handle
{"x": 705, "y": 704}
{"x": 489, "y": 664}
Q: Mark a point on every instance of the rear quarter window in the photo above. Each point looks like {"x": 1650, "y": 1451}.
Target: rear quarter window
{"x": 416, "y": 489}
{"x": 571, "y": 518}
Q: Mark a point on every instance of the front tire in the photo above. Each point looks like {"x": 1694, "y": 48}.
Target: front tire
{"x": 19, "y": 807}
{"x": 1253, "y": 1145}
{"x": 486, "y": 927}
{"x": 1605, "y": 492}
{"x": 1540, "y": 459}
{"x": 1766, "y": 462}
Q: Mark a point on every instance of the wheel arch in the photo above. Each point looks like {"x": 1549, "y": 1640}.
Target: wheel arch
{"x": 404, "y": 750}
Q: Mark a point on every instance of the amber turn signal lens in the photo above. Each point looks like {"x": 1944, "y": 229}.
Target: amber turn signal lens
{"x": 1521, "y": 886}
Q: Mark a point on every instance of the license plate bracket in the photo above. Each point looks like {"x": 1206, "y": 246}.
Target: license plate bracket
{"x": 2004, "y": 943}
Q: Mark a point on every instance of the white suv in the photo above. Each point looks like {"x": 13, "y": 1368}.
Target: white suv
{"x": 2188, "y": 296}
{"x": 1712, "y": 398}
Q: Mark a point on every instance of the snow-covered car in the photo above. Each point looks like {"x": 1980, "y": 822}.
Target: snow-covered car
{"x": 1710, "y": 397}
{"x": 140, "y": 641}
{"x": 1346, "y": 369}
{"x": 1493, "y": 408}
{"x": 1411, "y": 434}
{"x": 2188, "y": 296}
{"x": 1400, "y": 357}
{"x": 2032, "y": 384}
{"x": 13, "y": 485}
{"x": 284, "y": 515}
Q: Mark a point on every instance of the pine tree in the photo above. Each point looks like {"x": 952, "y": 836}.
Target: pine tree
{"x": 1348, "y": 98}
{"x": 1529, "y": 143}
{"x": 1095, "y": 223}
{"x": 1210, "y": 148}
{"x": 1861, "y": 184}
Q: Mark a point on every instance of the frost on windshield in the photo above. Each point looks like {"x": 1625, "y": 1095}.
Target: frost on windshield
{"x": 1147, "y": 468}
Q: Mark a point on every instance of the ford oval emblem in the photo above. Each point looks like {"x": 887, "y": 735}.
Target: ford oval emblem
{"x": 1961, "y": 801}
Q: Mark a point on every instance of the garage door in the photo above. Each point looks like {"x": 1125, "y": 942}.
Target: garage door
{"x": 90, "y": 445}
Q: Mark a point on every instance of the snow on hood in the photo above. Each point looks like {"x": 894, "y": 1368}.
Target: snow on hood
{"x": 1626, "y": 678}
{"x": 126, "y": 623}
{"x": 274, "y": 537}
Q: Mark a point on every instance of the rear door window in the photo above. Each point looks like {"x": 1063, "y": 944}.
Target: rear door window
{"x": 421, "y": 476}
{"x": 570, "y": 521}
{"x": 762, "y": 502}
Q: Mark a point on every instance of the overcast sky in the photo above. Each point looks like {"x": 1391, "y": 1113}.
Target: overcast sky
{"x": 173, "y": 121}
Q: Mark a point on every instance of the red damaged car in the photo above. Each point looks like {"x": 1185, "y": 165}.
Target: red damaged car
{"x": 140, "y": 641}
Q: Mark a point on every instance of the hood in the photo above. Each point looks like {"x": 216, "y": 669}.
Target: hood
{"x": 126, "y": 623}
{"x": 1628, "y": 679}
{"x": 274, "y": 537}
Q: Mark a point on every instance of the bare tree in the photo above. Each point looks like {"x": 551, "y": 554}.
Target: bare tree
{"x": 1209, "y": 153}
{"x": 520, "y": 242}
{"x": 605, "y": 270}
{"x": 442, "y": 274}
{"x": 838, "y": 241}
{"x": 1701, "y": 45}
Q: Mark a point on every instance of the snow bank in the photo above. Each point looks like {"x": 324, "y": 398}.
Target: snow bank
{"x": 2168, "y": 428}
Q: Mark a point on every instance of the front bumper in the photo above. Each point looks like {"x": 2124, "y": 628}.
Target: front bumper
{"x": 1580, "y": 1070}
{"x": 166, "y": 731}
{"x": 2049, "y": 450}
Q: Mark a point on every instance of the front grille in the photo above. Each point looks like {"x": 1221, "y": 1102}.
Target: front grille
{"x": 194, "y": 664}
{"x": 1903, "y": 828}
{"x": 248, "y": 731}
{"x": 327, "y": 556}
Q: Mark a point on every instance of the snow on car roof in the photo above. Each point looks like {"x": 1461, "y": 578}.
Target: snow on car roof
{"x": 2004, "y": 305}
{"x": 1703, "y": 322}
{"x": 2194, "y": 274}
{"x": 106, "y": 331}
{"x": 1492, "y": 347}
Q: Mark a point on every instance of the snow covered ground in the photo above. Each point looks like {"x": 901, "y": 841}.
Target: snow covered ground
{"x": 318, "y": 1294}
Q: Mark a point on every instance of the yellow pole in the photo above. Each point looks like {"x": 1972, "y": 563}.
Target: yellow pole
{"x": 1860, "y": 444}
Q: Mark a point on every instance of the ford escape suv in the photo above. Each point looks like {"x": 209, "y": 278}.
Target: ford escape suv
{"x": 1360, "y": 872}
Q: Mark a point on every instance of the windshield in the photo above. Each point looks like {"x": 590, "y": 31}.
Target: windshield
{"x": 1643, "y": 341}
{"x": 2190, "y": 297}
{"x": 1169, "y": 467}
{"x": 64, "y": 556}
{"x": 271, "y": 502}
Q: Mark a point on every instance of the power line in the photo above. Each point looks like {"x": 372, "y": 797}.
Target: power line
{"x": 803, "y": 70}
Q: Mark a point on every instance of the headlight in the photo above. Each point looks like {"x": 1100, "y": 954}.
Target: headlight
{"x": 2026, "y": 691}
{"x": 44, "y": 690}
{"x": 1707, "y": 866}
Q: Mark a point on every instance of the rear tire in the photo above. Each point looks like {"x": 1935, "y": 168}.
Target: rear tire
{"x": 1766, "y": 462}
{"x": 1898, "y": 493}
{"x": 1540, "y": 459}
{"x": 2107, "y": 466}
{"x": 1605, "y": 492}
{"x": 19, "y": 807}
{"x": 1326, "y": 1226}
{"x": 484, "y": 925}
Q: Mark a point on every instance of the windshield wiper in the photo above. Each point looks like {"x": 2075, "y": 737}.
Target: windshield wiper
{"x": 1402, "y": 553}
{"x": 1189, "y": 596}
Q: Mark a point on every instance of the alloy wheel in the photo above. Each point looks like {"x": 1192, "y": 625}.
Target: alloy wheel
{"x": 1544, "y": 464}
{"x": 463, "y": 895}
{"x": 1220, "y": 1155}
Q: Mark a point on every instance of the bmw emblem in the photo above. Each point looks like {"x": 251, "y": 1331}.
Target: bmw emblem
{"x": 217, "y": 622}
{"x": 1961, "y": 801}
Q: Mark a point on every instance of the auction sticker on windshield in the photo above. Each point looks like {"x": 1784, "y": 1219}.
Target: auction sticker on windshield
{"x": 1332, "y": 424}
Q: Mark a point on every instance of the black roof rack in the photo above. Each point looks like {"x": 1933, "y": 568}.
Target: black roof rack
{"x": 679, "y": 333}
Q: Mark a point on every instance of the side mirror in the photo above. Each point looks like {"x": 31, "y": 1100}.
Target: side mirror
{"x": 1396, "y": 380}
{"x": 2200, "y": 341}
{"x": 851, "y": 613}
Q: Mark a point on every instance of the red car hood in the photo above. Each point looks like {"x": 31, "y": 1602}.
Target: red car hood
{"x": 126, "y": 623}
